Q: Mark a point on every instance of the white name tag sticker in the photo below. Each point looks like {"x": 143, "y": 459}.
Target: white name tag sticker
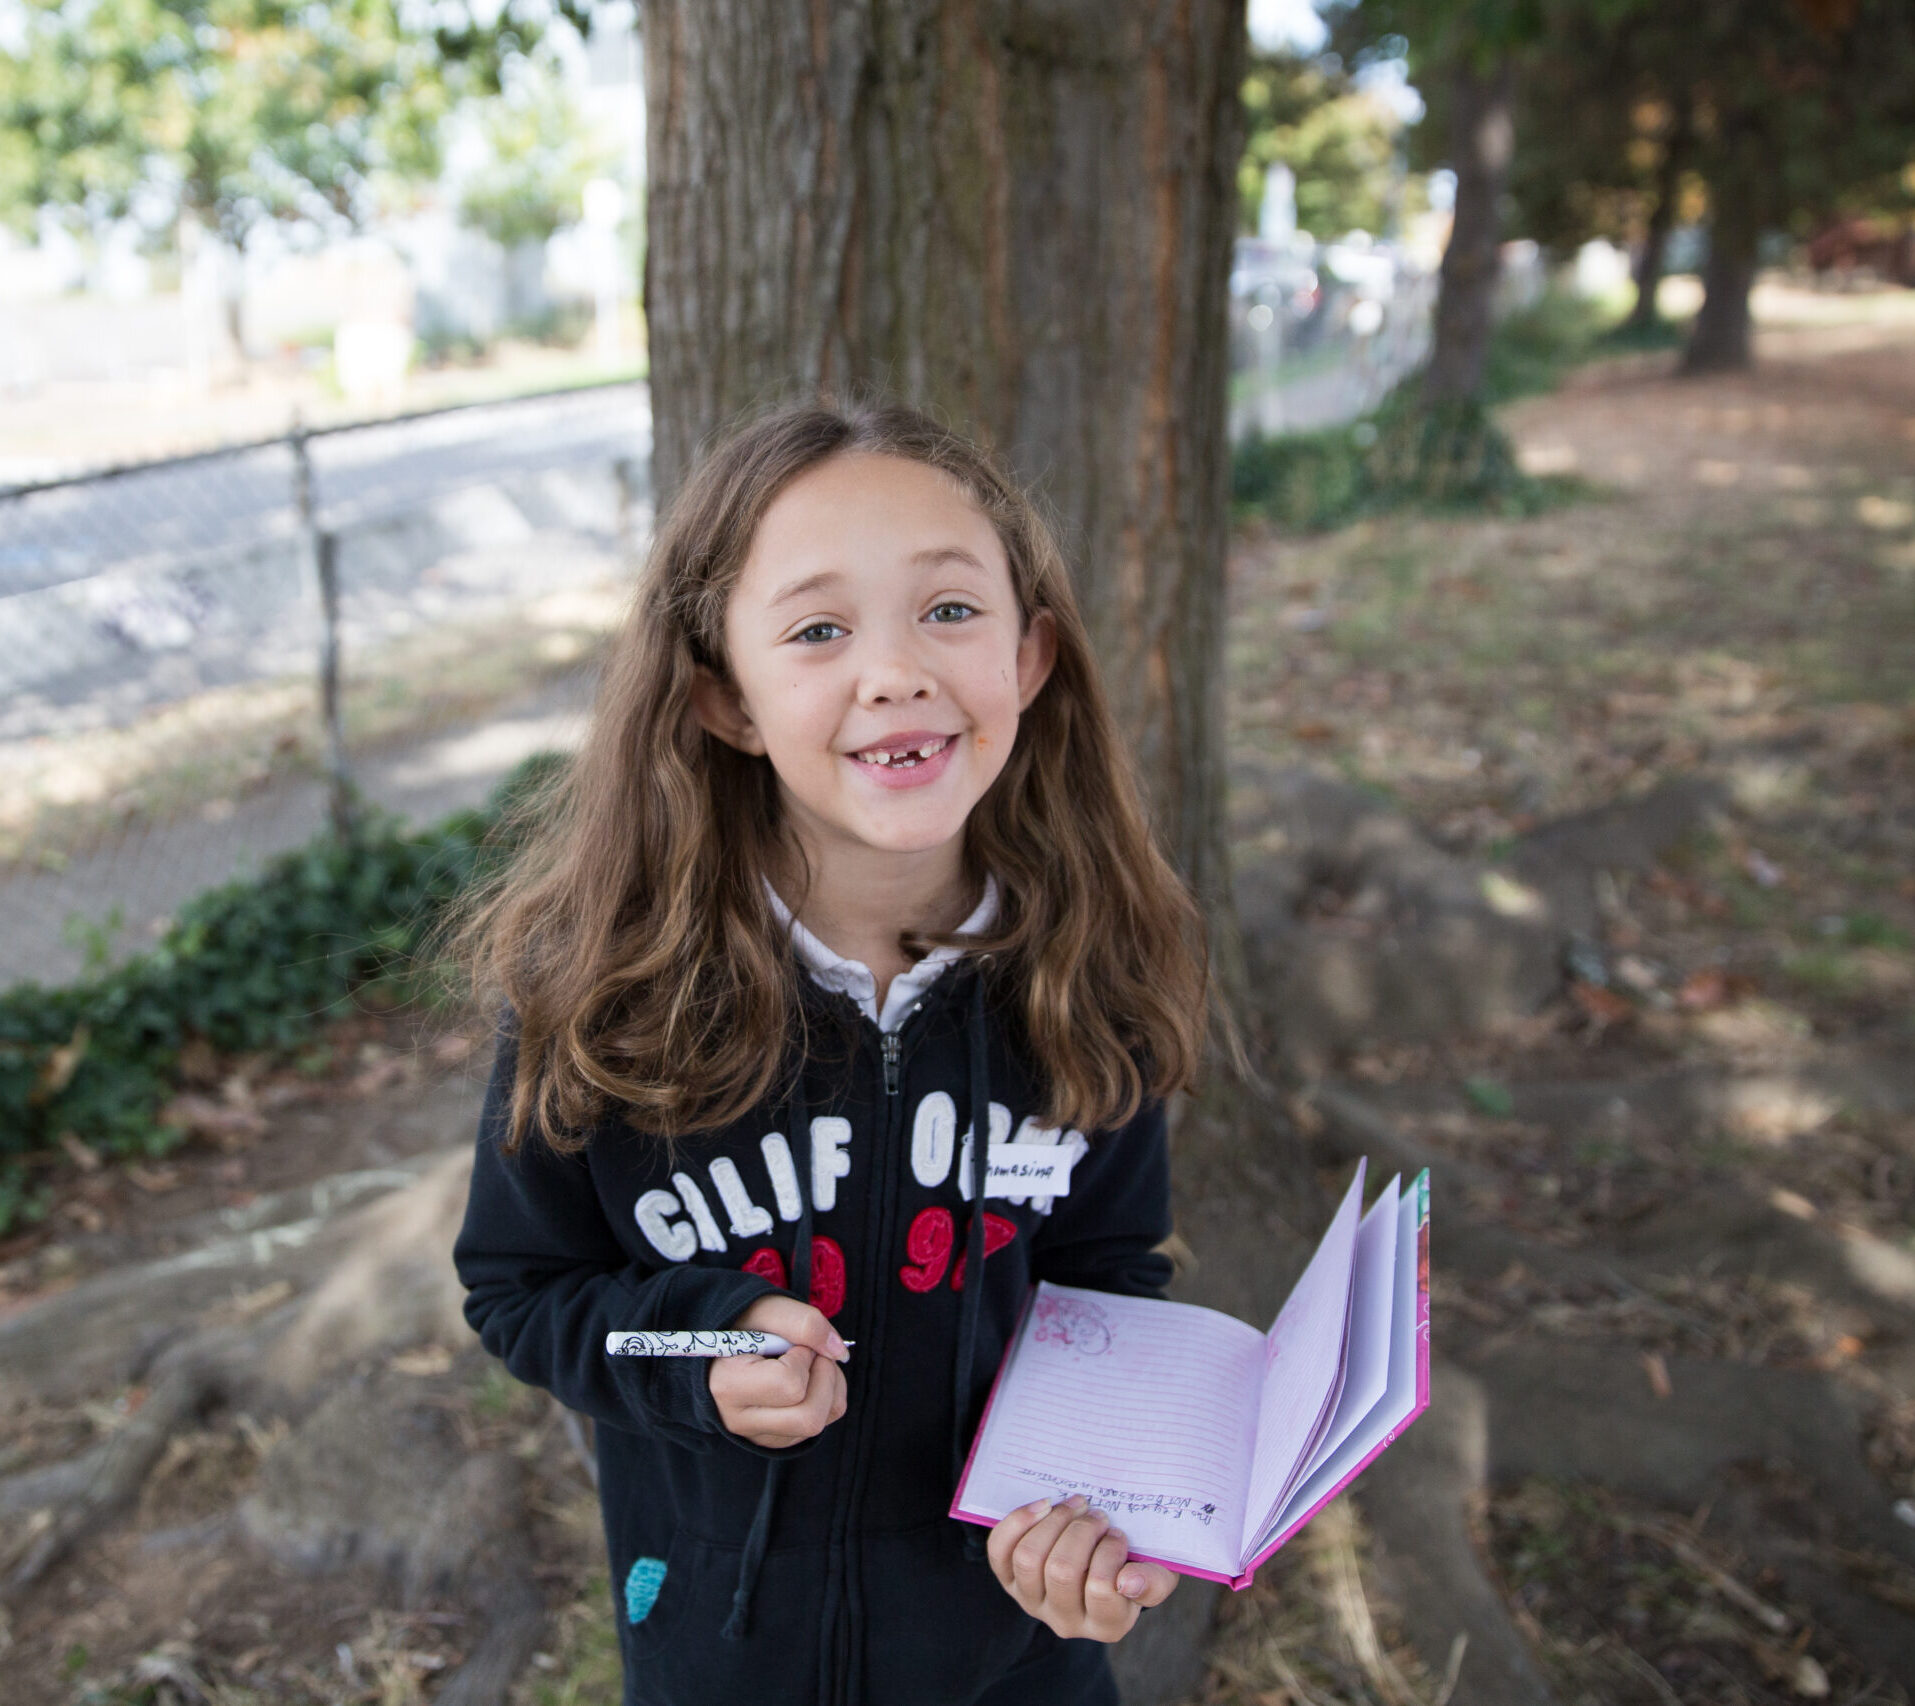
{"x": 1030, "y": 1169}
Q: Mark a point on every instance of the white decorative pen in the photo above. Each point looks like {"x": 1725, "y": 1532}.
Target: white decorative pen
{"x": 713, "y": 1342}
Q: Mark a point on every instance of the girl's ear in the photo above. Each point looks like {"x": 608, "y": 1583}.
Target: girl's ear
{"x": 1036, "y": 652}
{"x": 720, "y": 711}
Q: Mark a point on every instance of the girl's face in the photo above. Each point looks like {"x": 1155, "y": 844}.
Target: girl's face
{"x": 875, "y": 620}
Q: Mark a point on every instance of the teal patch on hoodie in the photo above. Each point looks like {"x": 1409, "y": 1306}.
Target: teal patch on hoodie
{"x": 647, "y": 1576}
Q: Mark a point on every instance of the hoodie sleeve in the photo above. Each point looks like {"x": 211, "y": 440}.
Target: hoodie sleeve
{"x": 1104, "y": 1232}
{"x": 546, "y": 1280}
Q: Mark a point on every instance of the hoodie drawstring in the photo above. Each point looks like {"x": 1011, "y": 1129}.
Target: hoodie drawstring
{"x": 760, "y": 1533}
{"x": 970, "y": 1306}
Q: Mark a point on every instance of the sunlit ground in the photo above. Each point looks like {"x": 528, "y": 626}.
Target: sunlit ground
{"x": 68, "y": 426}
{"x": 1735, "y": 599}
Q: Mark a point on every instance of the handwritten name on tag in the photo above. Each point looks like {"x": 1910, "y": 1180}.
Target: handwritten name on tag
{"x": 1030, "y": 1169}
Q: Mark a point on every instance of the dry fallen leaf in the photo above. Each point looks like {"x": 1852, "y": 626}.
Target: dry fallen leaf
{"x": 426, "y": 1360}
{"x": 154, "y": 1180}
{"x": 1604, "y": 1006}
{"x": 229, "y": 1126}
{"x": 82, "y": 1154}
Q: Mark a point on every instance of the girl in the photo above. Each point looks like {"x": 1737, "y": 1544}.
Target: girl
{"x": 849, "y": 867}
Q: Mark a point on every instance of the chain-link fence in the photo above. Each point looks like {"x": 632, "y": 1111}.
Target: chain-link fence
{"x": 1320, "y": 333}
{"x": 203, "y": 659}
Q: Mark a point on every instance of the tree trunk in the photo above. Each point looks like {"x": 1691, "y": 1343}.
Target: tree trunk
{"x": 1482, "y": 138}
{"x": 1648, "y": 272}
{"x": 1720, "y": 342}
{"x": 1018, "y": 214}
{"x": 1662, "y": 216}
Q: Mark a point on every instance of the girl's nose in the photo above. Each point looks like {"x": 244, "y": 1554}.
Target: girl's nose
{"x": 893, "y": 677}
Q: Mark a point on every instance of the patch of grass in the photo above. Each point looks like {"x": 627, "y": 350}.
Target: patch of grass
{"x": 1533, "y": 348}
{"x": 1626, "y": 338}
{"x": 1824, "y": 971}
{"x": 1448, "y": 457}
{"x": 1489, "y": 1097}
{"x": 1871, "y": 930}
{"x": 585, "y": 1668}
{"x": 496, "y": 1395}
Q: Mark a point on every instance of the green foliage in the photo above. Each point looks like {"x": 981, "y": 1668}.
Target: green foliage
{"x": 230, "y": 112}
{"x": 1532, "y": 349}
{"x": 1448, "y": 455}
{"x": 542, "y": 157}
{"x": 1634, "y": 336}
{"x": 1489, "y": 1097}
{"x": 252, "y": 966}
{"x": 1301, "y": 111}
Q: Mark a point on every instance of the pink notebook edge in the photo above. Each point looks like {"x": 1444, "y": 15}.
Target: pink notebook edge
{"x": 977, "y": 1437}
{"x": 1420, "y": 1184}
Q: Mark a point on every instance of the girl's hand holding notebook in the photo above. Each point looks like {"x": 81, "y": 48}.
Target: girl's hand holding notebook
{"x": 1208, "y": 1443}
{"x": 1069, "y": 1567}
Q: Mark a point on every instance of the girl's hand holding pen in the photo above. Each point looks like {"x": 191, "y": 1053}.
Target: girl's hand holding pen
{"x": 778, "y": 1401}
{"x": 1070, "y": 1569}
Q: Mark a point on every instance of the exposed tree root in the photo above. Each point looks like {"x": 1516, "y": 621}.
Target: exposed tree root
{"x": 82, "y": 1495}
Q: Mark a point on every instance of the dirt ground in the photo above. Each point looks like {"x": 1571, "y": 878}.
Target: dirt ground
{"x": 1698, "y": 1156}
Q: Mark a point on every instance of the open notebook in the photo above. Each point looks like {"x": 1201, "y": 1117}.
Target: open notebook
{"x": 1208, "y": 1442}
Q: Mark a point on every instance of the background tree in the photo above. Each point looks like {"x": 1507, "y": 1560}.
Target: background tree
{"x": 540, "y": 156}
{"x": 1461, "y": 55}
{"x": 1019, "y": 215}
{"x": 1608, "y": 138}
{"x": 1303, "y": 111}
{"x": 1794, "y": 103}
{"x": 212, "y": 117}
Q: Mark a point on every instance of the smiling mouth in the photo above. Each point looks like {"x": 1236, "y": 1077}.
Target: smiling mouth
{"x": 902, "y": 757}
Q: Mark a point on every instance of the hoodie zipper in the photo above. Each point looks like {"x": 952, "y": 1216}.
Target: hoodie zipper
{"x": 891, "y": 1054}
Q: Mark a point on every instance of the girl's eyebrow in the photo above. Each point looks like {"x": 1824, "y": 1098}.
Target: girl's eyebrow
{"x": 936, "y": 557}
{"x": 802, "y": 588}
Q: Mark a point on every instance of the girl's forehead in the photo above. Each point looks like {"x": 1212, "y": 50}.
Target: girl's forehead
{"x": 865, "y": 513}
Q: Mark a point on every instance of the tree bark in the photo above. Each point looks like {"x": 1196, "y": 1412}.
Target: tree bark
{"x": 1721, "y": 341}
{"x": 1018, "y": 213}
{"x": 1662, "y": 217}
{"x": 1482, "y": 138}
{"x": 1648, "y": 270}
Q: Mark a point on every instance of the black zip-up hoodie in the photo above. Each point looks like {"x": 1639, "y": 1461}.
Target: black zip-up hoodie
{"x": 829, "y": 1573}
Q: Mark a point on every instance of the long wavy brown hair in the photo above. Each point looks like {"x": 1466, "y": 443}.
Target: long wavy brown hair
{"x": 632, "y": 938}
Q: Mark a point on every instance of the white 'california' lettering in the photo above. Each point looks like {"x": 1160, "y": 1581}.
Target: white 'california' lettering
{"x": 695, "y": 1205}
{"x": 829, "y": 1163}
{"x": 672, "y": 1239}
{"x": 748, "y": 1220}
{"x": 784, "y": 1175}
{"x": 933, "y": 1139}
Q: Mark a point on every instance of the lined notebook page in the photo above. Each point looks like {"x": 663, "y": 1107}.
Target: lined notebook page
{"x": 1305, "y": 1365}
{"x": 1144, "y": 1407}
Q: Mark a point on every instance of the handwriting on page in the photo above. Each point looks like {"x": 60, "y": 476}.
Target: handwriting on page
{"x": 1126, "y": 1401}
{"x": 1118, "y": 1502}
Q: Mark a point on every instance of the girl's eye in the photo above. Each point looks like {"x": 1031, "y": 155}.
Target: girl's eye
{"x": 952, "y": 604}
{"x": 825, "y": 628}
